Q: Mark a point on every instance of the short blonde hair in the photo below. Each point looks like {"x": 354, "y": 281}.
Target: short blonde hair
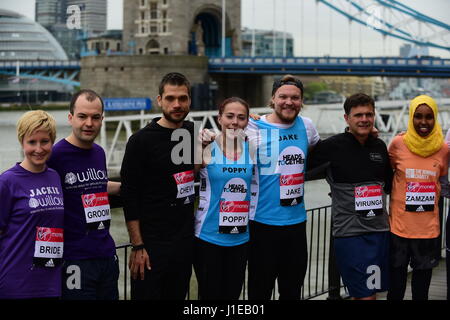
{"x": 32, "y": 121}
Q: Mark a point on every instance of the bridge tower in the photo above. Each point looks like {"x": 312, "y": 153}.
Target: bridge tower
{"x": 162, "y": 36}
{"x": 181, "y": 27}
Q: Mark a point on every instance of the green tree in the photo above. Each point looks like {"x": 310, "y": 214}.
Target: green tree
{"x": 312, "y": 88}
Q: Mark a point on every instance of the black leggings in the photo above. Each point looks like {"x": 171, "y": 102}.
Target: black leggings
{"x": 170, "y": 275}
{"x": 220, "y": 270}
{"x": 276, "y": 252}
{"x": 420, "y": 283}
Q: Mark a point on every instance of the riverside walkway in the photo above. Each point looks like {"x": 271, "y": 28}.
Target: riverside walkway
{"x": 438, "y": 287}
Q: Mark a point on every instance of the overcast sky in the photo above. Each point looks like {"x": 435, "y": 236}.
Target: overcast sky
{"x": 316, "y": 31}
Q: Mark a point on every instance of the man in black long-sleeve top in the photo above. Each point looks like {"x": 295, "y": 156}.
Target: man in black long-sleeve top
{"x": 158, "y": 193}
{"x": 359, "y": 173}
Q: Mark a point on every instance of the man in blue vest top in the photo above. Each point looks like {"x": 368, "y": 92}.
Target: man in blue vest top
{"x": 278, "y": 247}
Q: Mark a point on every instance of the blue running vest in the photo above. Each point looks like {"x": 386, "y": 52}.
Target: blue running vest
{"x": 281, "y": 161}
{"x": 223, "y": 211}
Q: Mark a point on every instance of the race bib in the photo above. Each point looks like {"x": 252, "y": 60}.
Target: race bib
{"x": 420, "y": 196}
{"x": 233, "y": 208}
{"x": 96, "y": 210}
{"x": 290, "y": 167}
{"x": 185, "y": 185}
{"x": 48, "y": 247}
{"x": 369, "y": 200}
{"x": 233, "y": 216}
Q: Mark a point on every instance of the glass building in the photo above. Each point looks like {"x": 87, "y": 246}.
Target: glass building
{"x": 53, "y": 15}
{"x": 267, "y": 43}
{"x": 22, "y": 39}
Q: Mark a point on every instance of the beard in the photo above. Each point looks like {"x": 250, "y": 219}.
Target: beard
{"x": 168, "y": 116}
{"x": 286, "y": 119}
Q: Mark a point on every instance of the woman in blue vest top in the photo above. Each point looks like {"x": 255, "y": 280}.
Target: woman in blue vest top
{"x": 220, "y": 251}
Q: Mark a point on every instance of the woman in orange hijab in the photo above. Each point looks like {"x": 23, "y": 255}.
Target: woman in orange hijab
{"x": 420, "y": 162}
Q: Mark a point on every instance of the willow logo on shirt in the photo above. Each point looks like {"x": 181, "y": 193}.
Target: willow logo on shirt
{"x": 46, "y": 201}
{"x": 86, "y": 176}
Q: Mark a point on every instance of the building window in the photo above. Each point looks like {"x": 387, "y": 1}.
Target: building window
{"x": 153, "y": 10}
{"x": 142, "y": 15}
{"x": 153, "y": 29}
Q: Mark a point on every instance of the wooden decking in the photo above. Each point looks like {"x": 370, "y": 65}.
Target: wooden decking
{"x": 438, "y": 287}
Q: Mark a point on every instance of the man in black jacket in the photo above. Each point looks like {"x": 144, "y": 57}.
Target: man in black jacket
{"x": 158, "y": 194}
{"x": 360, "y": 175}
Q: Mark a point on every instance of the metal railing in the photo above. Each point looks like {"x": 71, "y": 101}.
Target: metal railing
{"x": 322, "y": 276}
{"x": 316, "y": 279}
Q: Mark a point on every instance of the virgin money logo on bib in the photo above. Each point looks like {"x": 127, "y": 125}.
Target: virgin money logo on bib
{"x": 368, "y": 191}
{"x": 184, "y": 177}
{"x": 43, "y": 234}
{"x": 292, "y": 179}
{"x": 89, "y": 200}
{"x": 423, "y": 187}
{"x": 185, "y": 183}
{"x": 234, "y": 206}
{"x": 226, "y": 206}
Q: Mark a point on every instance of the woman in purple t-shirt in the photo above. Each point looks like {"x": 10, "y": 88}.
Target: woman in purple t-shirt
{"x": 31, "y": 216}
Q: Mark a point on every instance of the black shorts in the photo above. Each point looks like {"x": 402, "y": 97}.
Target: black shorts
{"x": 421, "y": 254}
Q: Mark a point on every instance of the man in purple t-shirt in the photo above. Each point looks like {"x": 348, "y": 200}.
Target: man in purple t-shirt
{"x": 91, "y": 269}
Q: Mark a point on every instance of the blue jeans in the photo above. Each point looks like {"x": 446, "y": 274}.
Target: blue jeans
{"x": 91, "y": 279}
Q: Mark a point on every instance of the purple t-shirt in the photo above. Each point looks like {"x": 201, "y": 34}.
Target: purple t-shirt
{"x": 87, "y": 217}
{"x": 31, "y": 234}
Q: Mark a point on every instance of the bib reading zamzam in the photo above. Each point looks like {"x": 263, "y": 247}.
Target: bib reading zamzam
{"x": 420, "y": 196}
